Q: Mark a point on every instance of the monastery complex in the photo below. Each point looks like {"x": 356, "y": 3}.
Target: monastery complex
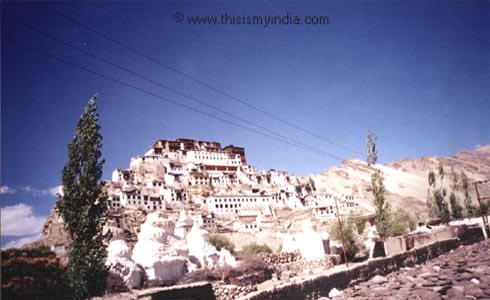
{"x": 217, "y": 185}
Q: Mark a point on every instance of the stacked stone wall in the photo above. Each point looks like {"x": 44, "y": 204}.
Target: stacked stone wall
{"x": 320, "y": 286}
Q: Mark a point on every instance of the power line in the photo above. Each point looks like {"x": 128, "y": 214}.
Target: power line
{"x": 95, "y": 56}
{"x": 190, "y": 77}
{"x": 142, "y": 90}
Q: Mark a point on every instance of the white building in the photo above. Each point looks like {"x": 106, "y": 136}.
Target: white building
{"x": 246, "y": 224}
{"x": 233, "y": 204}
{"x": 325, "y": 212}
{"x": 205, "y": 222}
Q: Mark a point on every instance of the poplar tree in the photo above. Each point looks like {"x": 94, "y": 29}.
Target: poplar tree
{"x": 83, "y": 207}
{"x": 438, "y": 206}
{"x": 384, "y": 216}
{"x": 470, "y": 210}
{"x": 456, "y": 209}
{"x": 371, "y": 152}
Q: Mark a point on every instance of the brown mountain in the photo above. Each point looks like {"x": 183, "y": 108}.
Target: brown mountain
{"x": 406, "y": 180}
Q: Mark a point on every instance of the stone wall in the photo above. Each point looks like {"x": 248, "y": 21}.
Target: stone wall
{"x": 395, "y": 245}
{"x": 280, "y": 258}
{"x": 193, "y": 291}
{"x": 320, "y": 286}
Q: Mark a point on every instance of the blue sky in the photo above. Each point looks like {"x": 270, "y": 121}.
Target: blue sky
{"x": 414, "y": 72}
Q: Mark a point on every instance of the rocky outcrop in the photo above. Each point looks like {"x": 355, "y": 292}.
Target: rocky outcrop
{"x": 54, "y": 235}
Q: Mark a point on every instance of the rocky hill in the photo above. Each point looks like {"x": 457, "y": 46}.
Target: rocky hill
{"x": 406, "y": 180}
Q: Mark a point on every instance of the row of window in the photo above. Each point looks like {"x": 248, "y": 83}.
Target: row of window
{"x": 224, "y": 200}
{"x": 138, "y": 197}
{"x": 236, "y": 205}
{"x": 251, "y": 226}
{"x": 146, "y": 203}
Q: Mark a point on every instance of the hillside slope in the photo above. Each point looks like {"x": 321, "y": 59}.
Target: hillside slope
{"x": 406, "y": 180}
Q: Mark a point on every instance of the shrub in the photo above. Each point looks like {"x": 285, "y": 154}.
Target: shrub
{"x": 252, "y": 270}
{"x": 352, "y": 244}
{"x": 254, "y": 248}
{"x": 399, "y": 224}
{"x": 220, "y": 242}
{"x": 359, "y": 222}
{"x": 33, "y": 274}
{"x": 412, "y": 223}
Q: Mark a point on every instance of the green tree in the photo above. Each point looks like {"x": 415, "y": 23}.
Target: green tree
{"x": 485, "y": 208}
{"x": 358, "y": 221}
{"x": 441, "y": 171}
{"x": 401, "y": 223}
{"x": 382, "y": 208}
{"x": 456, "y": 209}
{"x": 432, "y": 178}
{"x": 455, "y": 185}
{"x": 83, "y": 207}
{"x": 442, "y": 208}
{"x": 470, "y": 210}
{"x": 371, "y": 152}
{"x": 438, "y": 206}
{"x": 352, "y": 244}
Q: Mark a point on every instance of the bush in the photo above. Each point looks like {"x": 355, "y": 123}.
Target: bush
{"x": 252, "y": 270}
{"x": 220, "y": 242}
{"x": 254, "y": 248}
{"x": 359, "y": 222}
{"x": 352, "y": 243}
{"x": 33, "y": 274}
{"x": 401, "y": 223}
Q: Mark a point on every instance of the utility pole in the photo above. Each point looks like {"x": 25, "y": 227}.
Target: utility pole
{"x": 484, "y": 217}
{"x": 341, "y": 233}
